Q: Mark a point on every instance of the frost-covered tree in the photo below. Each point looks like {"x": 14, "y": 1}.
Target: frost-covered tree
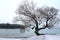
{"x": 30, "y": 15}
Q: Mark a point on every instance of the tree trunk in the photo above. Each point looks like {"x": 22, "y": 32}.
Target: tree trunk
{"x": 36, "y": 32}
{"x": 36, "y": 28}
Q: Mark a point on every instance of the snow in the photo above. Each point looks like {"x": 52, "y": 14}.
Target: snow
{"x": 8, "y": 39}
{"x": 52, "y": 37}
{"x": 42, "y": 37}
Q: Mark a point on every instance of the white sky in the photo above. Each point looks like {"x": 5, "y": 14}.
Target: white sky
{"x": 7, "y": 10}
{"x": 8, "y": 7}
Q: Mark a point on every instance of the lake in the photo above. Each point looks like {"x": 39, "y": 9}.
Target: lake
{"x": 28, "y": 32}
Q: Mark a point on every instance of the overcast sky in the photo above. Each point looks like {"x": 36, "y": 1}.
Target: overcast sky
{"x": 8, "y": 7}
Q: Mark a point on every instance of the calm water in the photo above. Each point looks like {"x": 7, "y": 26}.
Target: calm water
{"x": 27, "y": 33}
{"x": 51, "y": 31}
{"x": 16, "y": 33}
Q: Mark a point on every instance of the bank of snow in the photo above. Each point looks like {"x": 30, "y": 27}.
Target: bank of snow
{"x": 42, "y": 37}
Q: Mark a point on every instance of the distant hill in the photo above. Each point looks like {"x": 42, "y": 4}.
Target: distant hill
{"x": 11, "y": 26}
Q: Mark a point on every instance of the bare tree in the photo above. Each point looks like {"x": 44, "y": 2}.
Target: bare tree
{"x": 30, "y": 15}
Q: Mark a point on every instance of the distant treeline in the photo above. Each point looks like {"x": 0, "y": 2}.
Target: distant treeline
{"x": 11, "y": 26}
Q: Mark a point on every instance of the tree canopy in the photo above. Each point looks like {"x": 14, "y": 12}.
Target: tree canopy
{"x": 31, "y": 15}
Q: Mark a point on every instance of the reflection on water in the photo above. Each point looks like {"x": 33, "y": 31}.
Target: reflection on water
{"x": 26, "y": 33}
{"x": 15, "y": 33}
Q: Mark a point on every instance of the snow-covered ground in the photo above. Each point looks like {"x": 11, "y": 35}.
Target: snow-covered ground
{"x": 52, "y": 37}
{"x": 42, "y": 37}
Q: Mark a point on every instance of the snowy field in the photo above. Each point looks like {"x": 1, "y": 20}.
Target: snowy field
{"x": 42, "y": 37}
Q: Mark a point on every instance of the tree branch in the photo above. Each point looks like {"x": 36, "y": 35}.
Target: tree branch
{"x": 44, "y": 25}
{"x": 42, "y": 28}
